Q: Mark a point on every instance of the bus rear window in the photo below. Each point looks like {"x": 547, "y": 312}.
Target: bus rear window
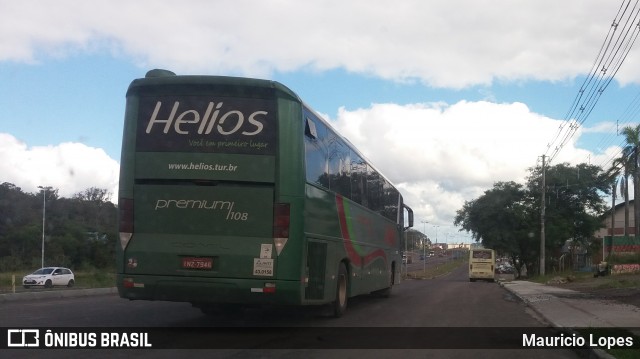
{"x": 481, "y": 255}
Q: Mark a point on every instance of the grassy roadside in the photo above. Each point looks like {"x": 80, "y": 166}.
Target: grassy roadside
{"x": 439, "y": 270}
{"x": 586, "y": 280}
{"x": 90, "y": 278}
{"x": 104, "y": 278}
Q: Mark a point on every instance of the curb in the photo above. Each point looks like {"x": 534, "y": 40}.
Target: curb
{"x": 56, "y": 294}
{"x": 590, "y": 352}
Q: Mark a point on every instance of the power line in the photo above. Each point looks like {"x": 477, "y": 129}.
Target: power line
{"x": 612, "y": 54}
{"x": 630, "y": 113}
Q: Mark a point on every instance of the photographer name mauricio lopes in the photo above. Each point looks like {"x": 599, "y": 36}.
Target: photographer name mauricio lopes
{"x": 574, "y": 340}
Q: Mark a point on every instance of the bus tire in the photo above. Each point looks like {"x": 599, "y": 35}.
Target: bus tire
{"x": 342, "y": 286}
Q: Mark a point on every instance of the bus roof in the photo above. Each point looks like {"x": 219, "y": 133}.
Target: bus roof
{"x": 159, "y": 77}
{"x": 166, "y": 78}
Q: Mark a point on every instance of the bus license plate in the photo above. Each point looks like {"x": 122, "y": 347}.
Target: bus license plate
{"x": 197, "y": 263}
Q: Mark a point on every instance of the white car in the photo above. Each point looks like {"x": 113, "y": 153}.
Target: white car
{"x": 48, "y": 277}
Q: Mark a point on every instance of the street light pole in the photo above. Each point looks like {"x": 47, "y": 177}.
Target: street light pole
{"x": 436, "y": 227}
{"x": 44, "y": 209}
{"x": 424, "y": 245}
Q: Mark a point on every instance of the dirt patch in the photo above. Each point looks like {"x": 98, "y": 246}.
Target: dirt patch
{"x": 624, "y": 288}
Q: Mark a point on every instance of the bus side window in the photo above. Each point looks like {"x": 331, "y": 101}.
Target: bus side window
{"x": 358, "y": 180}
{"x": 374, "y": 190}
{"x": 339, "y": 168}
{"x": 310, "y": 129}
{"x": 316, "y": 153}
{"x": 390, "y": 201}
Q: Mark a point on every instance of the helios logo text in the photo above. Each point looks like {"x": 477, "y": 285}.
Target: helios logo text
{"x": 214, "y": 118}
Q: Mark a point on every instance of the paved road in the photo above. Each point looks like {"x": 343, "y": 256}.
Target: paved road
{"x": 429, "y": 311}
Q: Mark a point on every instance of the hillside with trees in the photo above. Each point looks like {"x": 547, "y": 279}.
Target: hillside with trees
{"x": 79, "y": 232}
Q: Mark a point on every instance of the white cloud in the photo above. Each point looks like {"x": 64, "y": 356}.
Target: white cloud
{"x": 440, "y": 155}
{"x": 444, "y": 43}
{"x": 602, "y": 127}
{"x": 68, "y": 167}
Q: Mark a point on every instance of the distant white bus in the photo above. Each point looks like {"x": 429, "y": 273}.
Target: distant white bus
{"x": 482, "y": 264}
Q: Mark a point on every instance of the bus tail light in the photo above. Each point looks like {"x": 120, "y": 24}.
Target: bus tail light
{"x": 281, "y": 221}
{"x": 125, "y": 206}
{"x": 127, "y": 283}
{"x": 131, "y": 283}
{"x": 269, "y": 288}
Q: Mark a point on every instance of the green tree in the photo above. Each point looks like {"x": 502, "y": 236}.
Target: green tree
{"x": 507, "y": 217}
{"x": 630, "y": 158}
{"x": 575, "y": 206}
{"x": 415, "y": 239}
{"x": 501, "y": 219}
{"x": 620, "y": 168}
{"x": 79, "y": 231}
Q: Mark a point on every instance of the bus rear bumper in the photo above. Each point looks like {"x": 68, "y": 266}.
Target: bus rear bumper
{"x": 210, "y": 290}
{"x": 481, "y": 276}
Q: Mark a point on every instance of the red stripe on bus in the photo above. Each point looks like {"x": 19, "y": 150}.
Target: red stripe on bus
{"x": 352, "y": 253}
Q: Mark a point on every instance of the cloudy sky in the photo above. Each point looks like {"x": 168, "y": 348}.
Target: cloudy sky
{"x": 445, "y": 97}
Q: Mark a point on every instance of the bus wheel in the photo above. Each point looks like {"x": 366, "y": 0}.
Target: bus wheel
{"x": 340, "y": 303}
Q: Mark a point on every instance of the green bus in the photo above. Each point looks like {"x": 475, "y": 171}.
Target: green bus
{"x": 234, "y": 192}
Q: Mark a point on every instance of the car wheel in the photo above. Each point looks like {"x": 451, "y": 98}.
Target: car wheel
{"x": 342, "y": 285}
{"x": 71, "y": 283}
{"x": 48, "y": 284}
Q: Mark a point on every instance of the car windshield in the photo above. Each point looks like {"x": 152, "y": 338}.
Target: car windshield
{"x": 43, "y": 271}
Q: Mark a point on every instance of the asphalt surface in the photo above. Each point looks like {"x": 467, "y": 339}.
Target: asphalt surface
{"x": 560, "y": 307}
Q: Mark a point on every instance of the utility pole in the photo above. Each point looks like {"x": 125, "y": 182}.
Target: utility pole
{"x": 636, "y": 189}
{"x": 44, "y": 209}
{"x": 542, "y": 210}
